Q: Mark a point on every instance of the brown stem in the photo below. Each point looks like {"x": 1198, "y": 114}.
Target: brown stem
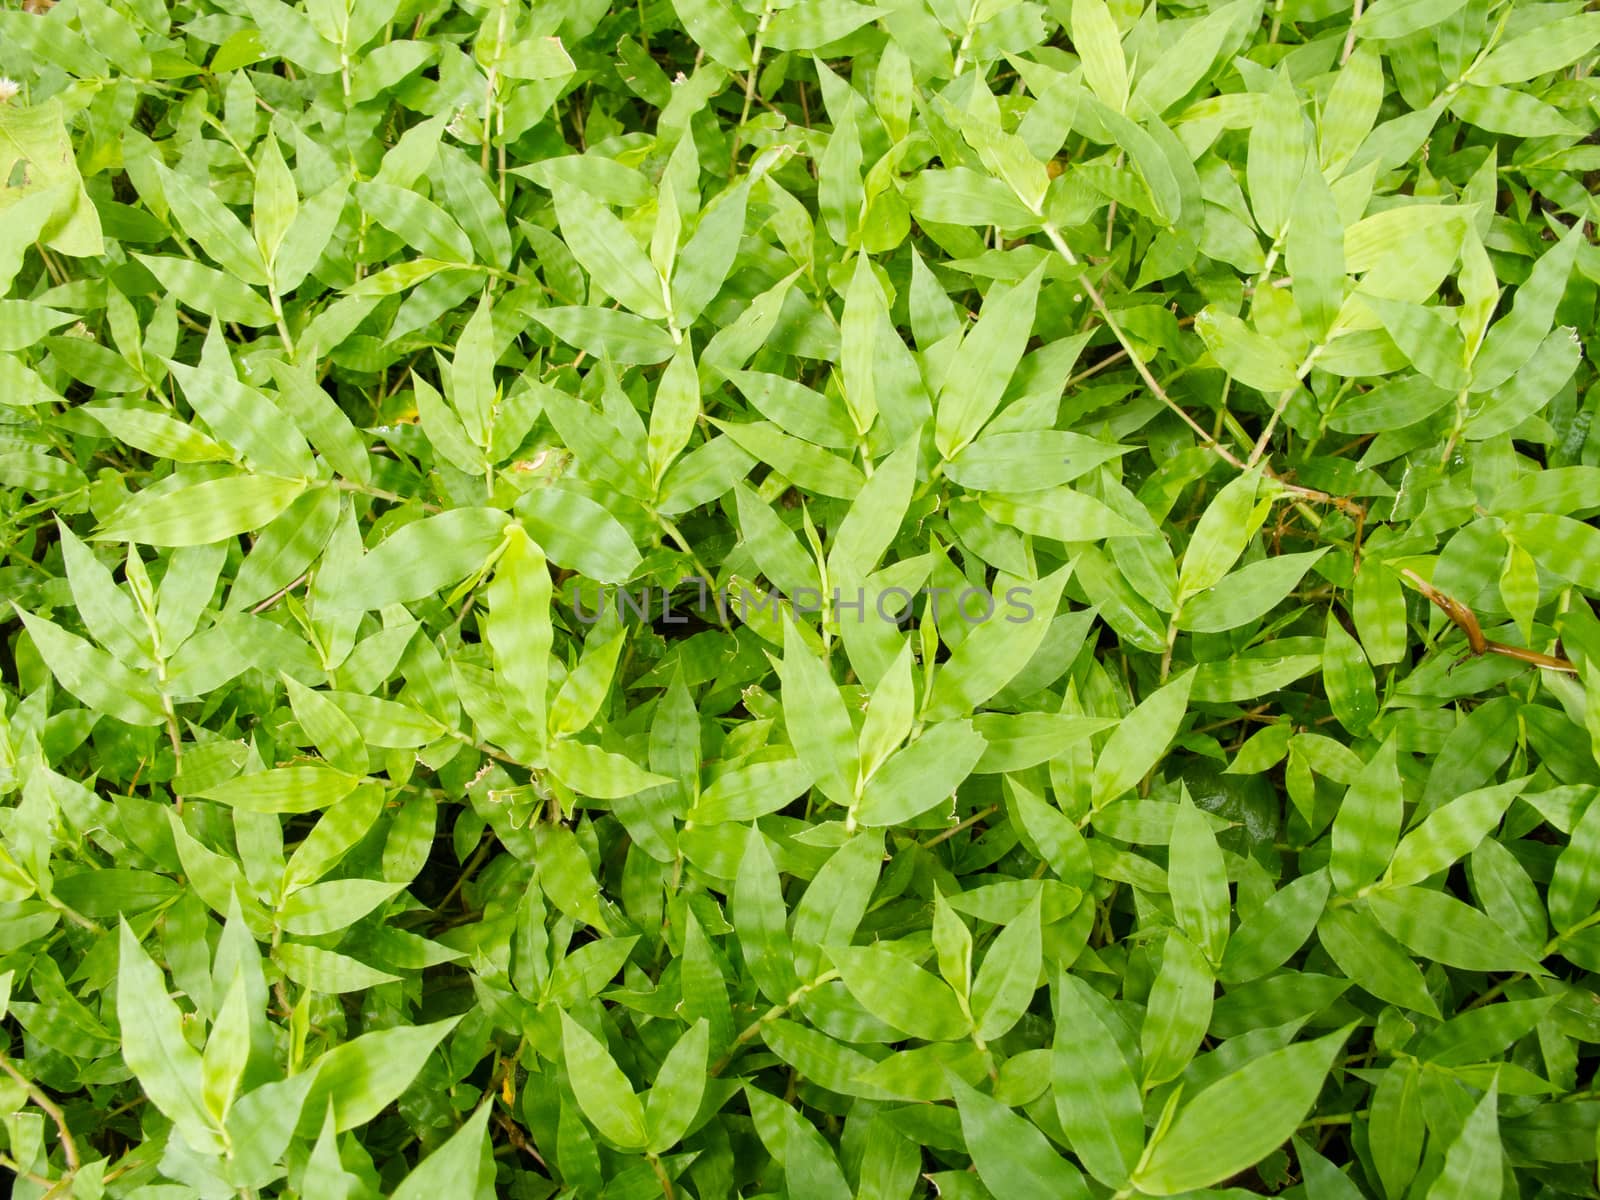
{"x": 1464, "y": 619}
{"x": 517, "y": 1138}
{"x": 278, "y": 595}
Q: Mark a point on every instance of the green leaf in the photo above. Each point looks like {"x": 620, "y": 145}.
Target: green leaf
{"x": 922, "y": 776}
{"x": 1249, "y": 593}
{"x": 1429, "y": 338}
{"x": 208, "y": 221}
{"x": 987, "y": 358}
{"x": 577, "y": 532}
{"x": 362, "y": 1077}
{"x": 287, "y": 545}
{"x": 450, "y": 1168}
{"x": 1251, "y": 358}
{"x": 1179, "y": 1013}
{"x": 246, "y": 419}
{"x": 1373, "y": 960}
{"x": 1095, "y": 36}
{"x": 591, "y": 771}
{"x": 36, "y": 135}
{"x": 672, "y": 416}
{"x": 608, "y": 252}
{"x": 1012, "y": 1156}
{"x": 710, "y": 252}
{"x": 1197, "y": 880}
{"x": 306, "y": 788}
{"x": 891, "y": 708}
{"x": 620, "y": 336}
{"x": 1352, "y": 690}
{"x": 746, "y": 793}
{"x": 1279, "y": 928}
{"x": 1550, "y": 47}
{"x": 93, "y": 676}
{"x": 322, "y": 421}
{"x": 675, "y": 1098}
{"x": 902, "y": 994}
{"x": 1472, "y": 1162}
{"x": 875, "y": 516}
{"x": 715, "y": 26}
{"x": 107, "y": 613}
{"x": 1277, "y": 156}
{"x": 809, "y": 1167}
{"x": 168, "y": 1068}
{"x": 472, "y": 390}
{"x": 227, "y": 1051}
{"x": 817, "y": 417}
{"x": 818, "y": 725}
{"x": 201, "y": 513}
{"x": 1191, "y": 57}
{"x": 1061, "y": 514}
{"x": 333, "y": 906}
{"x": 1451, "y": 832}
{"x": 420, "y": 558}
{"x": 1009, "y": 976}
{"x": 1390, "y": 19}
{"x": 759, "y": 917}
{"x": 208, "y": 291}
{"x": 1239, "y": 1119}
{"x": 1224, "y": 530}
{"x": 416, "y": 220}
{"x": 1096, "y": 1097}
{"x": 152, "y": 432}
{"x": 864, "y": 314}
{"x": 1368, "y": 823}
{"x": 275, "y": 203}
{"x": 1445, "y": 929}
{"x": 806, "y": 465}
{"x": 603, "y": 1091}
{"x": 1056, "y": 837}
{"x": 995, "y": 651}
{"x": 565, "y": 876}
{"x": 1020, "y": 462}
{"x": 1512, "y": 340}
{"x": 520, "y": 634}
{"x": 1378, "y": 607}
{"x": 328, "y": 971}
{"x": 1136, "y": 745}
{"x": 1575, "y": 884}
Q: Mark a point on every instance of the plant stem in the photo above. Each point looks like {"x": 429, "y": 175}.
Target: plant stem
{"x": 750, "y": 81}
{"x": 69, "y": 1147}
{"x": 753, "y": 1030}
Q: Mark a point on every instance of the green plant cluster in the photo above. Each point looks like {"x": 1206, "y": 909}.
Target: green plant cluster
{"x": 501, "y": 506}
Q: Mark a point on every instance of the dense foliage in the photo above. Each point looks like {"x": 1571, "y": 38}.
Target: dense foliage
{"x": 723, "y": 598}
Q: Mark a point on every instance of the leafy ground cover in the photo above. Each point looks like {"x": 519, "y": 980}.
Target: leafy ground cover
{"x": 715, "y": 598}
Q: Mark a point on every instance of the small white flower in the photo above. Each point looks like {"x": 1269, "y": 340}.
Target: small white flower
{"x": 8, "y": 88}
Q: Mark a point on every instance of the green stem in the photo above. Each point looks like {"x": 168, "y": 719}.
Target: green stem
{"x": 1160, "y": 393}
{"x": 749, "y": 87}
{"x": 776, "y": 1012}
{"x": 69, "y": 1147}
